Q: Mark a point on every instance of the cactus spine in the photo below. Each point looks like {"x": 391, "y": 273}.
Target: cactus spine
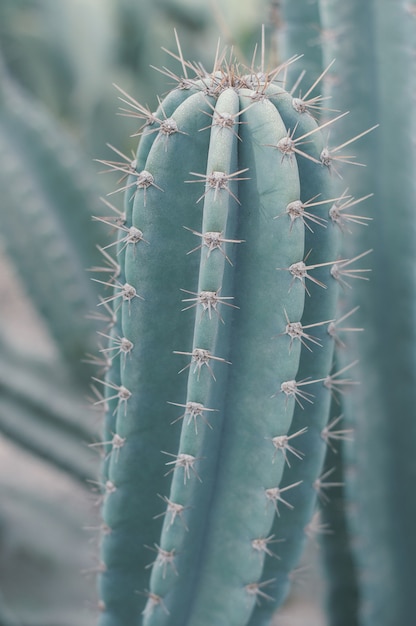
{"x": 228, "y": 256}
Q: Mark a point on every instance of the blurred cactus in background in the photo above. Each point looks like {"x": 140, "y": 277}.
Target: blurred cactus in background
{"x": 58, "y": 63}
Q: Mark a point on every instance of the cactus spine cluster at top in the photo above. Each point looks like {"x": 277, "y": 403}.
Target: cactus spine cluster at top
{"x": 223, "y": 307}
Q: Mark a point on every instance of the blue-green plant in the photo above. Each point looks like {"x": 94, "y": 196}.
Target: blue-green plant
{"x": 225, "y": 323}
{"x": 375, "y": 46}
{"x": 374, "y": 77}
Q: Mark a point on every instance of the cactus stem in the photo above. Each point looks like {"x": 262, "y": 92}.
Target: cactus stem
{"x": 193, "y": 410}
{"x": 275, "y": 495}
{"x": 281, "y": 443}
{"x": 186, "y": 461}
{"x": 174, "y": 510}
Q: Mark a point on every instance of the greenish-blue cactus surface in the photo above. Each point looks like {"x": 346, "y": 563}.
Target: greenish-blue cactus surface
{"x": 374, "y": 77}
{"x": 223, "y": 307}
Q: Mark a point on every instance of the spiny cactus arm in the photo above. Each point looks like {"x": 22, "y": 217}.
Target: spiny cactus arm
{"x": 305, "y": 464}
{"x": 156, "y": 326}
{"x": 230, "y": 547}
{"x": 374, "y": 45}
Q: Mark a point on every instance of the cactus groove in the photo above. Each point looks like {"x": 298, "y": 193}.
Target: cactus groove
{"x": 225, "y": 292}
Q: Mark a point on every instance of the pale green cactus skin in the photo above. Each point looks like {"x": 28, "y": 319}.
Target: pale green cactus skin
{"x": 228, "y": 195}
{"x": 375, "y": 49}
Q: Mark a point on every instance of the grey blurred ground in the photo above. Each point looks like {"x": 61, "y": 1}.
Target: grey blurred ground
{"x": 45, "y": 516}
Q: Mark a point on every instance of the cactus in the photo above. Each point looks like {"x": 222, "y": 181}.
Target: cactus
{"x": 375, "y": 45}
{"x": 228, "y": 271}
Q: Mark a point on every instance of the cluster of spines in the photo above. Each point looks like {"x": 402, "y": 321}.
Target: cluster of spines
{"x": 217, "y": 248}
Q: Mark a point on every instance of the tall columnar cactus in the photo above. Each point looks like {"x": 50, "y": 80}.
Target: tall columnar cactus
{"x": 223, "y": 304}
{"x": 375, "y": 47}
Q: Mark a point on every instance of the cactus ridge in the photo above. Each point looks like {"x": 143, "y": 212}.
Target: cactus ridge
{"x": 217, "y": 411}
